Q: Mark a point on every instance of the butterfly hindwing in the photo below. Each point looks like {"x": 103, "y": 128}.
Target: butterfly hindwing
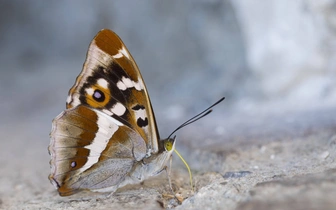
{"x": 82, "y": 140}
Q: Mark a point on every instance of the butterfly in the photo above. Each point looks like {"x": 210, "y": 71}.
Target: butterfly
{"x": 107, "y": 137}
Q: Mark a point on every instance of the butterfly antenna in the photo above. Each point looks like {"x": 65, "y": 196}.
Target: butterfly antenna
{"x": 197, "y": 117}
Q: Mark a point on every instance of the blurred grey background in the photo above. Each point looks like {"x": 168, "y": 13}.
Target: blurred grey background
{"x": 263, "y": 56}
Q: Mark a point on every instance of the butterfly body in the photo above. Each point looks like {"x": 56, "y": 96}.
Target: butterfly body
{"x": 107, "y": 137}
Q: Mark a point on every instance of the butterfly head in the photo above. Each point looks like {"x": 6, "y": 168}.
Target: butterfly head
{"x": 169, "y": 144}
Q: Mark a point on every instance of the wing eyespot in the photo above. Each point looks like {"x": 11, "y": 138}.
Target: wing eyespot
{"x": 73, "y": 164}
{"x": 98, "y": 95}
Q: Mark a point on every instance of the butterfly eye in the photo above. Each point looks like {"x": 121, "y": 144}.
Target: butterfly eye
{"x": 168, "y": 144}
{"x": 98, "y": 95}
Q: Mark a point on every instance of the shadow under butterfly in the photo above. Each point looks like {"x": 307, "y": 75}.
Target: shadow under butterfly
{"x": 107, "y": 137}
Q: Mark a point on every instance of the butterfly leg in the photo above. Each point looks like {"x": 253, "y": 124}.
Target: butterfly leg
{"x": 178, "y": 198}
{"x": 168, "y": 172}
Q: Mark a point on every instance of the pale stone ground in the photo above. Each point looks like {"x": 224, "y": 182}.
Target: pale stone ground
{"x": 285, "y": 161}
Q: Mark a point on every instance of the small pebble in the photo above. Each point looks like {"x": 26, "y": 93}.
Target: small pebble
{"x": 324, "y": 155}
{"x": 236, "y": 174}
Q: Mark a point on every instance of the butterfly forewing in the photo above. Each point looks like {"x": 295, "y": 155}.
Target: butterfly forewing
{"x": 111, "y": 82}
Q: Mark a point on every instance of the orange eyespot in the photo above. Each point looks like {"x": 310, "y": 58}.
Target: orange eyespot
{"x": 73, "y": 164}
{"x": 97, "y": 97}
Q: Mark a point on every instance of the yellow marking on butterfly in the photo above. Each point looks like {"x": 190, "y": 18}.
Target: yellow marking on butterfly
{"x": 169, "y": 146}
